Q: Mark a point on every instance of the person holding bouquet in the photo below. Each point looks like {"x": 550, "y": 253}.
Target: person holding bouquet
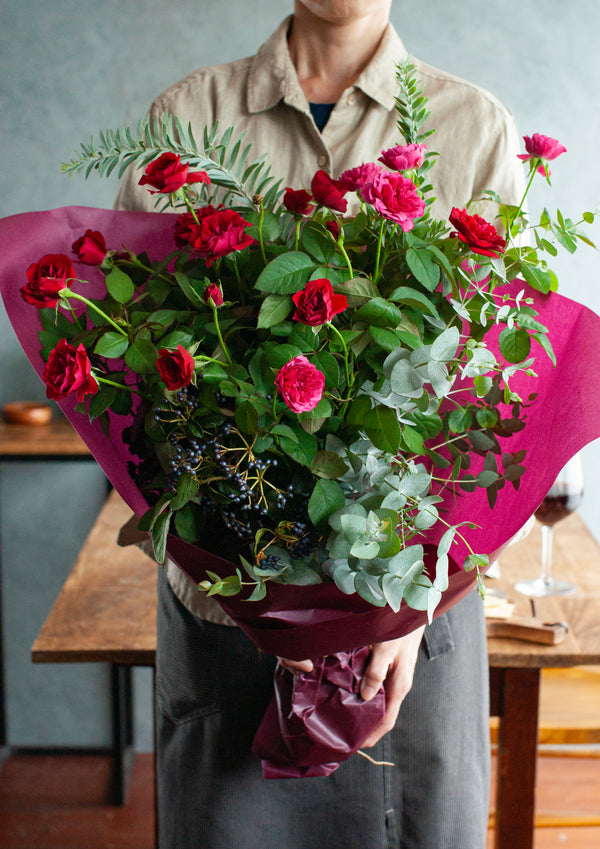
{"x": 319, "y": 97}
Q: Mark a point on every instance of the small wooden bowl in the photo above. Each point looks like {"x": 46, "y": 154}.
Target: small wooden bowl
{"x": 27, "y": 413}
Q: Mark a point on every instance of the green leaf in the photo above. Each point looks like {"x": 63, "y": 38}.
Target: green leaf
{"x": 274, "y": 309}
{"x": 160, "y": 531}
{"x": 317, "y": 243}
{"x": 387, "y": 339}
{"x": 286, "y": 274}
{"x": 379, "y": 312}
{"x": 246, "y": 416}
{"x": 119, "y": 285}
{"x": 423, "y": 267}
{"x": 302, "y": 449}
{"x": 141, "y": 355}
{"x": 328, "y": 364}
{"x": 101, "y": 401}
{"x": 358, "y": 290}
{"x": 515, "y": 344}
{"x": 326, "y": 498}
{"x": 538, "y": 278}
{"x": 192, "y": 289}
{"x": 413, "y": 440}
{"x": 111, "y": 345}
{"x": 413, "y": 298}
{"x": 460, "y": 420}
{"x": 187, "y": 488}
{"x": 328, "y": 464}
{"x": 383, "y": 428}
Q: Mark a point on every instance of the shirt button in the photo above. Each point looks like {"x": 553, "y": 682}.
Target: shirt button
{"x": 351, "y": 99}
{"x": 322, "y": 161}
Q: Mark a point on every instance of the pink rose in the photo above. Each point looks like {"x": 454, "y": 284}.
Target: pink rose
{"x": 395, "y": 197}
{"x": 46, "y": 278}
{"x": 357, "y": 178}
{"x": 403, "y": 157}
{"x": 167, "y": 174}
{"x": 216, "y": 232}
{"x": 481, "y": 236}
{"x": 541, "y": 147}
{"x": 176, "y": 367}
{"x": 90, "y": 248}
{"x": 213, "y": 294}
{"x": 69, "y": 371}
{"x": 297, "y": 200}
{"x": 328, "y": 192}
{"x": 301, "y": 384}
{"x": 317, "y": 303}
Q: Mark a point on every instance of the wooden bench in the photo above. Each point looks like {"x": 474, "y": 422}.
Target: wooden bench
{"x": 106, "y": 613}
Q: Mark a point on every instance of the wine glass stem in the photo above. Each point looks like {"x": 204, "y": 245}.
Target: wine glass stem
{"x": 547, "y": 554}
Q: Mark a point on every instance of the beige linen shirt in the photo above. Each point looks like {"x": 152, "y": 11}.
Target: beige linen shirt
{"x": 261, "y": 96}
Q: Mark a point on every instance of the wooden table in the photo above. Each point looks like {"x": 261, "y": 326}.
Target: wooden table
{"x": 515, "y": 666}
{"x": 56, "y": 441}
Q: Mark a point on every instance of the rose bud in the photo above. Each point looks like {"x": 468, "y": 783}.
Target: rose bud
{"x": 481, "y": 236}
{"x": 46, "y": 278}
{"x": 168, "y": 174}
{"x": 69, "y": 371}
{"x": 301, "y": 384}
{"x": 176, "y": 367}
{"x": 541, "y": 147}
{"x": 90, "y": 248}
{"x": 298, "y": 201}
{"x": 213, "y": 295}
{"x": 317, "y": 303}
{"x": 327, "y": 192}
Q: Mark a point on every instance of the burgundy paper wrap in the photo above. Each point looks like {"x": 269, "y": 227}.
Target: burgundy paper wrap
{"x": 317, "y": 720}
{"x": 313, "y": 621}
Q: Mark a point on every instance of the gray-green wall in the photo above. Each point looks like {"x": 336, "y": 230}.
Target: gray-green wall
{"x": 68, "y": 69}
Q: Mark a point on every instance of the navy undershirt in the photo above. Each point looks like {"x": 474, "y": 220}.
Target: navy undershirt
{"x": 321, "y": 113}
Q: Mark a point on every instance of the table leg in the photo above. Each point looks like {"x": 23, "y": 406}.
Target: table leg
{"x": 122, "y": 725}
{"x": 515, "y": 699}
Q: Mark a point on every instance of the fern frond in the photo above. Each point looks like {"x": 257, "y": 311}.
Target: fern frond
{"x": 223, "y": 160}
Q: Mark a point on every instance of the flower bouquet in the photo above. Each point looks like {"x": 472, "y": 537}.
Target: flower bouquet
{"x": 329, "y": 420}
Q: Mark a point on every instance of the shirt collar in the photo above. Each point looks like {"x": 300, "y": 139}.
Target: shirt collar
{"x": 273, "y": 77}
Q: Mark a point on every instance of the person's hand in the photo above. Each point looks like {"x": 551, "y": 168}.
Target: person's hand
{"x": 295, "y": 666}
{"x": 392, "y": 665}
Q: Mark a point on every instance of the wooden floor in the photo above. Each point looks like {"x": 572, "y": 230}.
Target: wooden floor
{"x": 59, "y": 802}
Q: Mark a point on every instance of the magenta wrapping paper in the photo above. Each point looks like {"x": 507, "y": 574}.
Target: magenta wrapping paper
{"x": 300, "y": 622}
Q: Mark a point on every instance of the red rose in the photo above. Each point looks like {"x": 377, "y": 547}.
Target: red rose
{"x": 403, "y": 157}
{"x": 301, "y": 384}
{"x": 395, "y": 197}
{"x": 328, "y": 192}
{"x": 357, "y": 178}
{"x": 217, "y": 232}
{"x": 176, "y": 367}
{"x": 481, "y": 236}
{"x": 167, "y": 174}
{"x": 69, "y": 371}
{"x": 213, "y": 294}
{"x": 334, "y": 228}
{"x": 90, "y": 248}
{"x": 297, "y": 200}
{"x": 317, "y": 303}
{"x": 46, "y": 278}
{"x": 541, "y": 147}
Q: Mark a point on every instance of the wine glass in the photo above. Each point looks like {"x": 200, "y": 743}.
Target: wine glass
{"x": 562, "y": 499}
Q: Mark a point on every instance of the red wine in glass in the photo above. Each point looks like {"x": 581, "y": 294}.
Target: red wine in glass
{"x": 562, "y": 499}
